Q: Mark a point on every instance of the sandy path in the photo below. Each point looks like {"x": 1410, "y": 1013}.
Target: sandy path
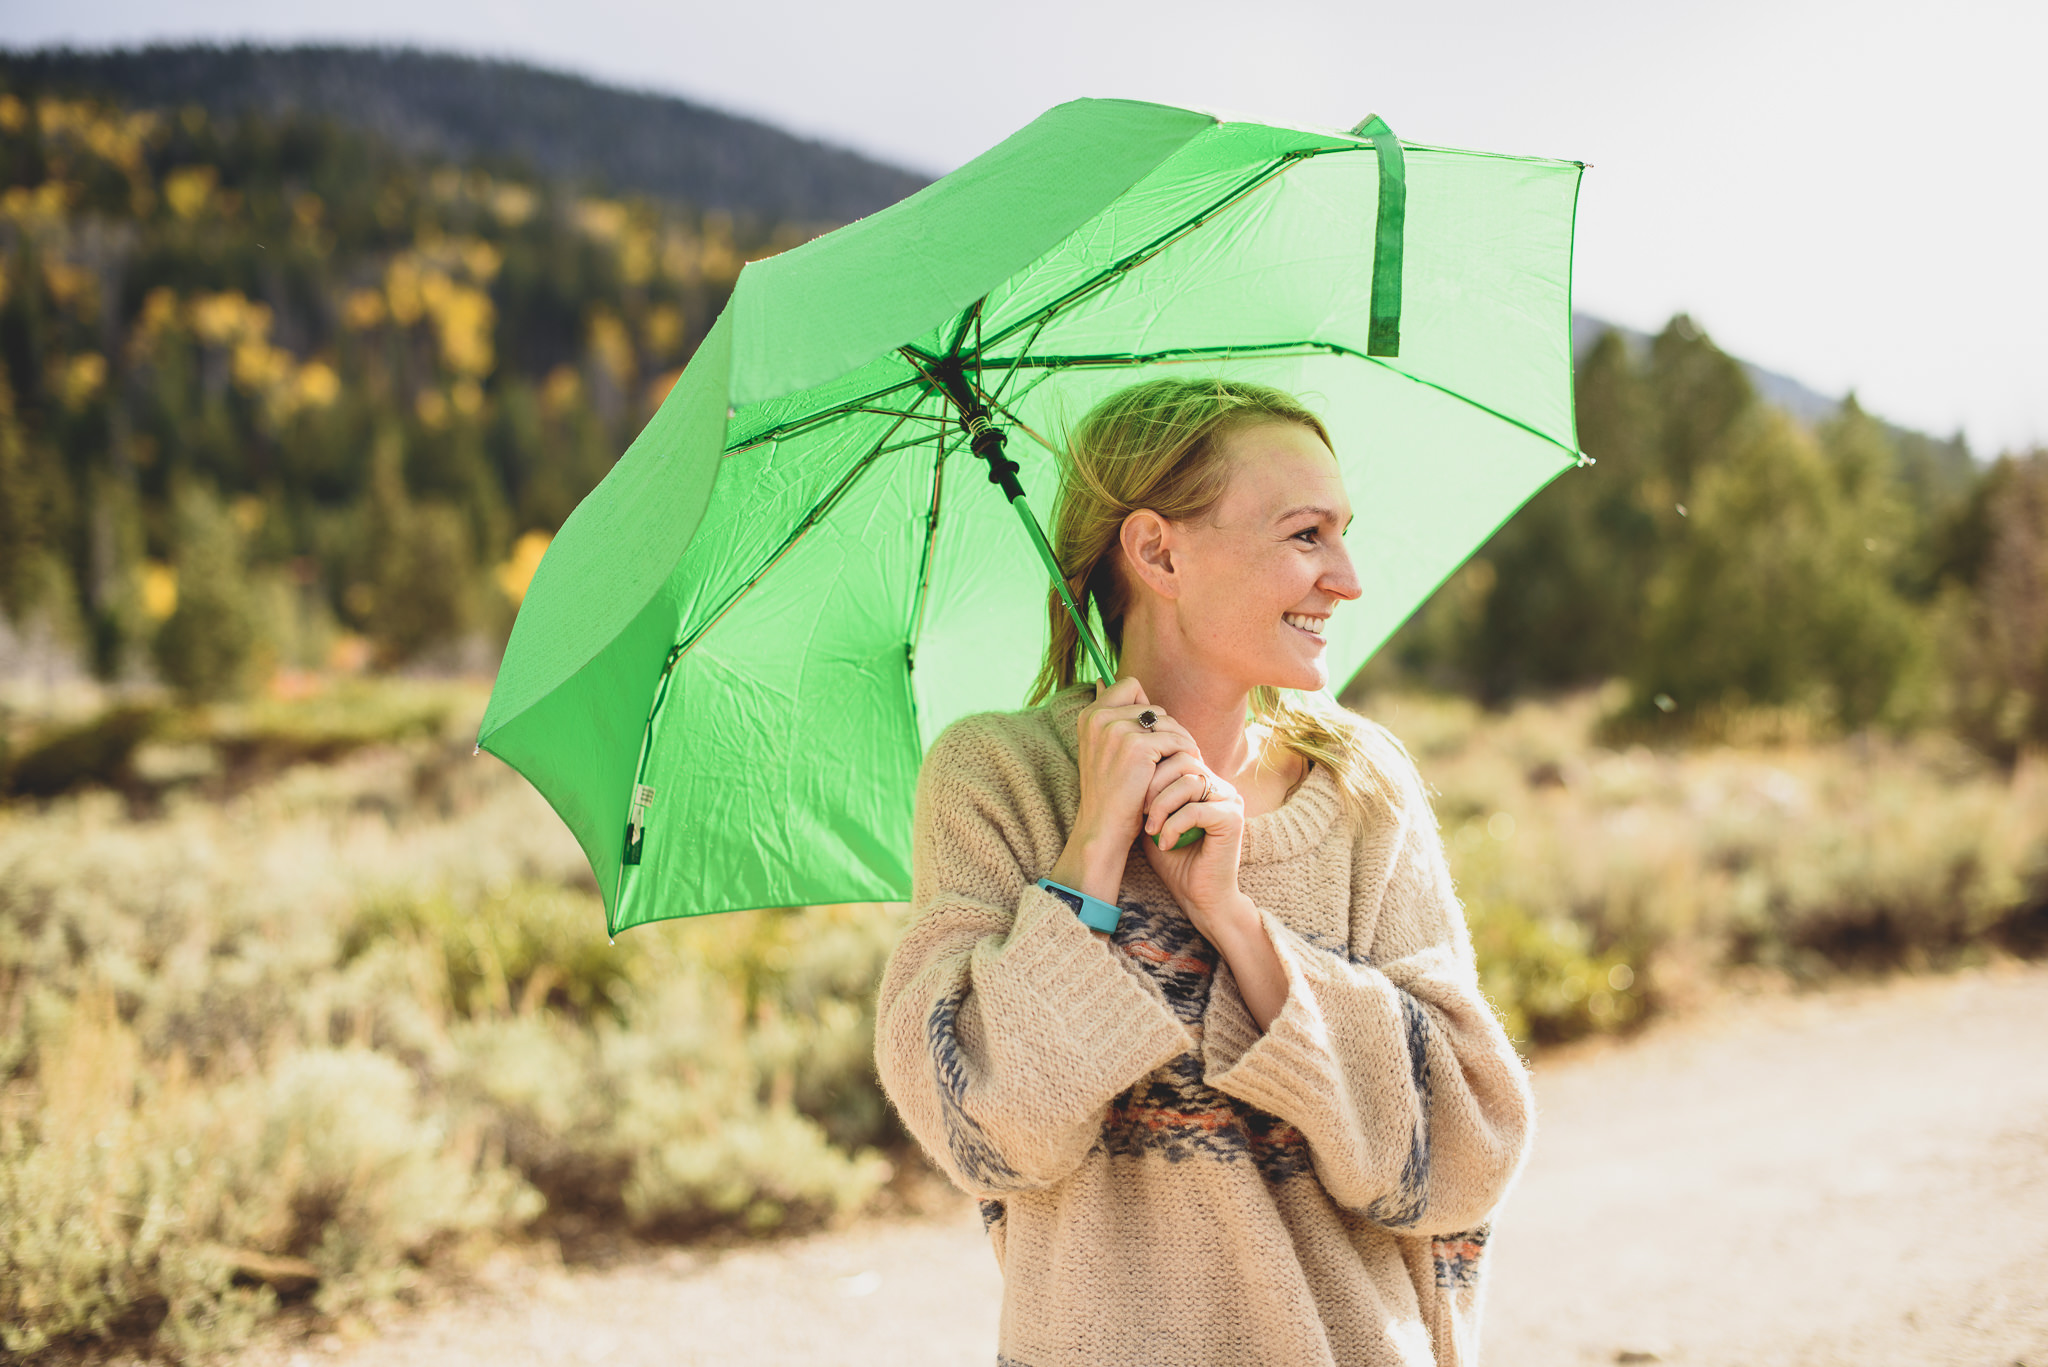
{"x": 1859, "y": 1178}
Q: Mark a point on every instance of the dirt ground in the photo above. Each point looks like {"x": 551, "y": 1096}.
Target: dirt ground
{"x": 1853, "y": 1177}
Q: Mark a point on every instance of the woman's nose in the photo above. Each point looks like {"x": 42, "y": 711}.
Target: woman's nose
{"x": 1341, "y": 579}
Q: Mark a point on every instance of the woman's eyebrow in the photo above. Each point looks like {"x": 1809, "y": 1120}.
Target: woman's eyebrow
{"x": 1322, "y": 513}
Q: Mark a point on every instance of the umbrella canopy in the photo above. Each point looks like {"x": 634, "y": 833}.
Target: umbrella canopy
{"x": 728, "y": 664}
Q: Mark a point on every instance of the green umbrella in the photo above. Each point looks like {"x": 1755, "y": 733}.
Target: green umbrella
{"x": 729, "y": 662}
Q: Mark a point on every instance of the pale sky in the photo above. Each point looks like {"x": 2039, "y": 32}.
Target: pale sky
{"x": 1845, "y": 192}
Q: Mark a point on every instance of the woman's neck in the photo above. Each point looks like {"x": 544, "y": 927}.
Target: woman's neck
{"x": 1214, "y": 711}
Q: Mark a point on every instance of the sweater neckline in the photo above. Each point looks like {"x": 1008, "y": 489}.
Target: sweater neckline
{"x": 1296, "y": 826}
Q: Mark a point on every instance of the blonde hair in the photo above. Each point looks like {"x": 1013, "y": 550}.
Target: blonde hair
{"x": 1158, "y": 445}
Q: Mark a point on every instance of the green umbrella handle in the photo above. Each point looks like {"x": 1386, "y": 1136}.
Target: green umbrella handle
{"x": 1002, "y": 472}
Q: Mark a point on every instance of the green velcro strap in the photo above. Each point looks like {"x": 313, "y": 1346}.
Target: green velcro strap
{"x": 1384, "y": 337}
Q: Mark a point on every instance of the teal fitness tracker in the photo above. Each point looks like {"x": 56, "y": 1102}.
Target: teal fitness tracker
{"x": 1095, "y": 913}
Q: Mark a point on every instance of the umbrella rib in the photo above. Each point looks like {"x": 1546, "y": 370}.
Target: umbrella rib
{"x": 1183, "y": 355}
{"x": 1153, "y": 248}
{"x": 971, "y": 321}
{"x": 995, "y": 401}
{"x": 1022, "y": 352}
{"x": 818, "y": 510}
{"x": 864, "y": 404}
{"x": 924, "y": 564}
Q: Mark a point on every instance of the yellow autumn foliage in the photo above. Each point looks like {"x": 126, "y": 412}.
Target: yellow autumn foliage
{"x": 39, "y": 206}
{"x": 83, "y": 376}
{"x": 480, "y": 259}
{"x": 364, "y": 310}
{"x": 432, "y": 408}
{"x": 222, "y": 317}
{"x": 560, "y": 389}
{"x": 603, "y": 220}
{"x": 636, "y": 256}
{"x": 159, "y": 589}
{"x": 464, "y": 319}
{"x": 513, "y": 204}
{"x": 72, "y": 286}
{"x": 611, "y": 346}
{"x": 318, "y": 385}
{"x": 188, "y": 188}
{"x": 662, "y": 330}
{"x": 516, "y": 571}
{"x": 402, "y": 289}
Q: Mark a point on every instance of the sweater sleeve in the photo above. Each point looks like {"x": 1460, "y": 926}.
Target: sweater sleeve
{"x": 1386, "y": 1055}
{"x": 1004, "y": 1027}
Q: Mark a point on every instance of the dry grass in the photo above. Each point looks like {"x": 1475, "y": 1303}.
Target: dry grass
{"x": 301, "y": 1039}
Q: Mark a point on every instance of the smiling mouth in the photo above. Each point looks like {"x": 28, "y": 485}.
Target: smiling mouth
{"x": 1312, "y": 626}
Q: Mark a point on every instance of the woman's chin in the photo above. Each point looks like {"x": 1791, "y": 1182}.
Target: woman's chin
{"x": 1302, "y": 676}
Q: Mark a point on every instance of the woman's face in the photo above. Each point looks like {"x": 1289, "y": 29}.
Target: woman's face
{"x": 1259, "y": 577}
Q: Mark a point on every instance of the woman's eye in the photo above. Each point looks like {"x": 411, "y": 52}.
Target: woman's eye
{"x": 1309, "y": 535}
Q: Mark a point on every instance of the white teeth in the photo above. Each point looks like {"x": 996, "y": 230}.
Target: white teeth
{"x": 1312, "y": 625}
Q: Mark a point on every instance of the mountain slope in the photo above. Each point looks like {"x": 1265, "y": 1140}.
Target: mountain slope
{"x": 464, "y": 109}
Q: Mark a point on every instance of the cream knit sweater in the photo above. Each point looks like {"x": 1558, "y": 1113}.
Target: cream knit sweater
{"x": 1164, "y": 1185}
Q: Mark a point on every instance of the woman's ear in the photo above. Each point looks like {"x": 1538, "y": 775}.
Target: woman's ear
{"x": 1148, "y": 545}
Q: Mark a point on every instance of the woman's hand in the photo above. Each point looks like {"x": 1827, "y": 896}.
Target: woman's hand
{"x": 1184, "y": 796}
{"x": 1152, "y": 782}
{"x": 1120, "y": 763}
{"x": 1203, "y": 876}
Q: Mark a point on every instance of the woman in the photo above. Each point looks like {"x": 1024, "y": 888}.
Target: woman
{"x": 1266, "y": 1118}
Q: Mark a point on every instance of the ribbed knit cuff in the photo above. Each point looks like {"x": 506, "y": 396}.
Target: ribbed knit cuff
{"x": 1291, "y": 1069}
{"x": 1228, "y": 1028}
{"x": 1098, "y": 1019}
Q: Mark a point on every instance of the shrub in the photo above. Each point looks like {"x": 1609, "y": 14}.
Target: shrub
{"x": 100, "y": 751}
{"x": 137, "y": 1192}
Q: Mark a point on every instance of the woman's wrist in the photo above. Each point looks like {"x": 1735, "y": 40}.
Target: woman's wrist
{"x": 1090, "y": 866}
{"x": 1234, "y": 920}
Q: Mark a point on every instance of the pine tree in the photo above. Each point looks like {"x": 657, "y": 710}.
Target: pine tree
{"x": 1565, "y": 604}
{"x": 1701, "y": 394}
{"x": 1998, "y": 617}
{"x": 205, "y": 647}
{"x": 417, "y": 583}
{"x": 1779, "y": 594}
{"x": 34, "y": 510}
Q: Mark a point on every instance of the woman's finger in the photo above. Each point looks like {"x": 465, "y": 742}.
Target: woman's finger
{"x": 1171, "y": 769}
{"x": 1131, "y": 717}
{"x": 1221, "y": 813}
{"x": 1184, "y": 789}
{"x": 1122, "y": 693}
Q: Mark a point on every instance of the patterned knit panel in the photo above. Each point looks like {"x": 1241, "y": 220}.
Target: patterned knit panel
{"x": 1173, "y": 1112}
{"x": 979, "y": 1161}
{"x": 1457, "y": 1257}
